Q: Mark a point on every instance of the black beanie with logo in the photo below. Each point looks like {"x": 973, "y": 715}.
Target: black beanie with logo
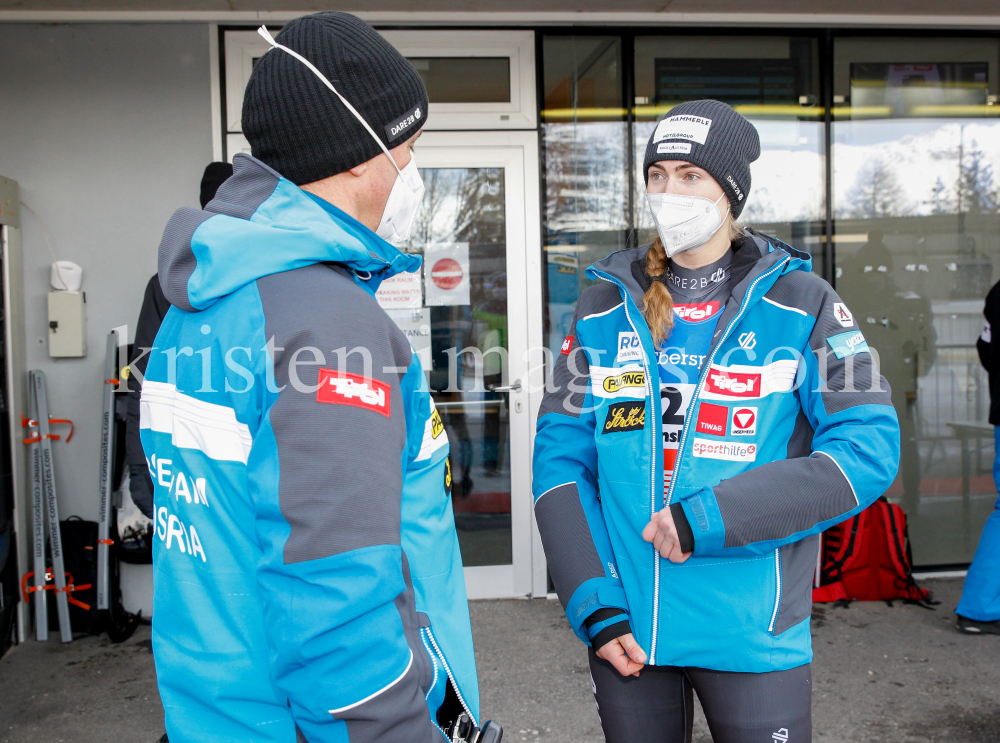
{"x": 711, "y": 135}
{"x": 299, "y": 127}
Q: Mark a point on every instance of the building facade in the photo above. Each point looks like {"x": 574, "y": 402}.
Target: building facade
{"x": 880, "y": 157}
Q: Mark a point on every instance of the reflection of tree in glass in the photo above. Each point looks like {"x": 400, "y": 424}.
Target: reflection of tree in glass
{"x": 973, "y": 191}
{"x": 976, "y": 192}
{"x": 480, "y": 214}
{"x": 461, "y": 205}
{"x": 585, "y": 177}
{"x": 876, "y": 193}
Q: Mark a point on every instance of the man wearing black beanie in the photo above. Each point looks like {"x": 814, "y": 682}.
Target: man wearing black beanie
{"x": 309, "y": 584}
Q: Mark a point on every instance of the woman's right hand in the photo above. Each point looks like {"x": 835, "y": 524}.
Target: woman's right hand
{"x": 624, "y": 654}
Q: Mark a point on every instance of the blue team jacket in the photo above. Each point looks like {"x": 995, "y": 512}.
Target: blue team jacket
{"x": 789, "y": 429}
{"x": 307, "y": 574}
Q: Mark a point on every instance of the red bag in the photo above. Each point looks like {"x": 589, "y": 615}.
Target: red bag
{"x": 868, "y": 558}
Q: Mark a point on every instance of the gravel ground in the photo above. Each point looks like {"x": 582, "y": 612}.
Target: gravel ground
{"x": 898, "y": 674}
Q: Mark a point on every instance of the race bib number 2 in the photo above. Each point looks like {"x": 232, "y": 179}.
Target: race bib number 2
{"x": 674, "y": 402}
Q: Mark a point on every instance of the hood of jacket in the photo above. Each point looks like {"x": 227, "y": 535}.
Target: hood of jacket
{"x": 260, "y": 224}
{"x": 753, "y": 253}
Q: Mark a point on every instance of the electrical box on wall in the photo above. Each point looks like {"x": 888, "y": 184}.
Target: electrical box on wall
{"x": 67, "y": 324}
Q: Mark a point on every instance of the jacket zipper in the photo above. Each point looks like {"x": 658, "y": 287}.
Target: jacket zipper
{"x": 684, "y": 432}
{"x": 655, "y": 490}
{"x": 777, "y": 589}
{"x": 704, "y": 374}
{"x": 451, "y": 678}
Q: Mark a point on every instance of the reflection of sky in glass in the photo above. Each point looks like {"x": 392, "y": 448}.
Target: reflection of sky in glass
{"x": 585, "y": 177}
{"x": 915, "y": 153}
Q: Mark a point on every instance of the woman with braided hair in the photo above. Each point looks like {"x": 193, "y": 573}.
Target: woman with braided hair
{"x": 715, "y": 407}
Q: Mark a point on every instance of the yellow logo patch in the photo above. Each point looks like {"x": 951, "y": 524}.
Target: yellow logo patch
{"x": 628, "y": 379}
{"x": 437, "y": 425}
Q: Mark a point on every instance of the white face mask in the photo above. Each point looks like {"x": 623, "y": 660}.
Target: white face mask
{"x": 407, "y": 190}
{"x": 684, "y": 222}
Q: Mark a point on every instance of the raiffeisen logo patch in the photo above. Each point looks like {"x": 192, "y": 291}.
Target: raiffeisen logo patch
{"x": 730, "y": 451}
{"x": 341, "y": 388}
{"x": 623, "y": 381}
{"x": 696, "y": 312}
{"x": 733, "y": 384}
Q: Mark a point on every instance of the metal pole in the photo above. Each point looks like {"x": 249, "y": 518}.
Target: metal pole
{"x": 107, "y": 448}
{"x": 49, "y": 483}
{"x": 37, "y": 515}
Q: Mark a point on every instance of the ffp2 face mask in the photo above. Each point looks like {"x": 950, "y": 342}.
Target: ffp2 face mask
{"x": 407, "y": 192}
{"x": 684, "y": 222}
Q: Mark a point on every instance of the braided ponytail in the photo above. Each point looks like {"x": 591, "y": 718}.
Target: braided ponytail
{"x": 657, "y": 304}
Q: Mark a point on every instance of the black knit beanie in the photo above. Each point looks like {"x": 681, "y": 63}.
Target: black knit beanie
{"x": 296, "y": 125}
{"x": 711, "y": 135}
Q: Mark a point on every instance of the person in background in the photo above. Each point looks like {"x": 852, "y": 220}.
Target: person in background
{"x": 154, "y": 308}
{"x": 978, "y": 611}
{"x": 308, "y": 578}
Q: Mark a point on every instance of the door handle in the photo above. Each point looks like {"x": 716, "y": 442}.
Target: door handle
{"x": 516, "y": 387}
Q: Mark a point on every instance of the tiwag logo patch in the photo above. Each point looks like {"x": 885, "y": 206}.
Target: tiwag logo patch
{"x": 341, "y": 388}
{"x": 625, "y": 416}
{"x": 712, "y": 419}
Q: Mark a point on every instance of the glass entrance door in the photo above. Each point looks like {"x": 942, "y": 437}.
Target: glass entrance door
{"x": 467, "y": 317}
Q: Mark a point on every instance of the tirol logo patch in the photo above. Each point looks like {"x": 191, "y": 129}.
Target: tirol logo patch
{"x": 621, "y": 381}
{"x": 843, "y": 315}
{"x": 690, "y": 128}
{"x": 696, "y": 312}
{"x": 734, "y": 384}
{"x": 731, "y": 451}
{"x": 405, "y": 124}
{"x": 567, "y": 345}
{"x": 625, "y": 416}
{"x": 629, "y": 348}
{"x": 848, "y": 344}
{"x": 744, "y": 422}
{"x": 712, "y": 419}
{"x": 341, "y": 388}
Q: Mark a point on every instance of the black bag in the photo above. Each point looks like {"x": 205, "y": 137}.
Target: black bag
{"x": 79, "y": 543}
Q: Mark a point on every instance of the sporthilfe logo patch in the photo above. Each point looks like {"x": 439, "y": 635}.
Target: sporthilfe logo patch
{"x": 341, "y": 388}
{"x": 625, "y": 416}
{"x": 727, "y": 450}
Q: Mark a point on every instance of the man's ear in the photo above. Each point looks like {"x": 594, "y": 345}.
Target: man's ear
{"x": 359, "y": 170}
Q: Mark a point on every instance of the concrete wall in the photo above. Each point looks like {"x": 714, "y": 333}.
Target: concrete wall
{"x": 107, "y": 129}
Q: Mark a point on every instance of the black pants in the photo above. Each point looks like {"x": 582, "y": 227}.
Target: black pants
{"x": 657, "y": 707}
